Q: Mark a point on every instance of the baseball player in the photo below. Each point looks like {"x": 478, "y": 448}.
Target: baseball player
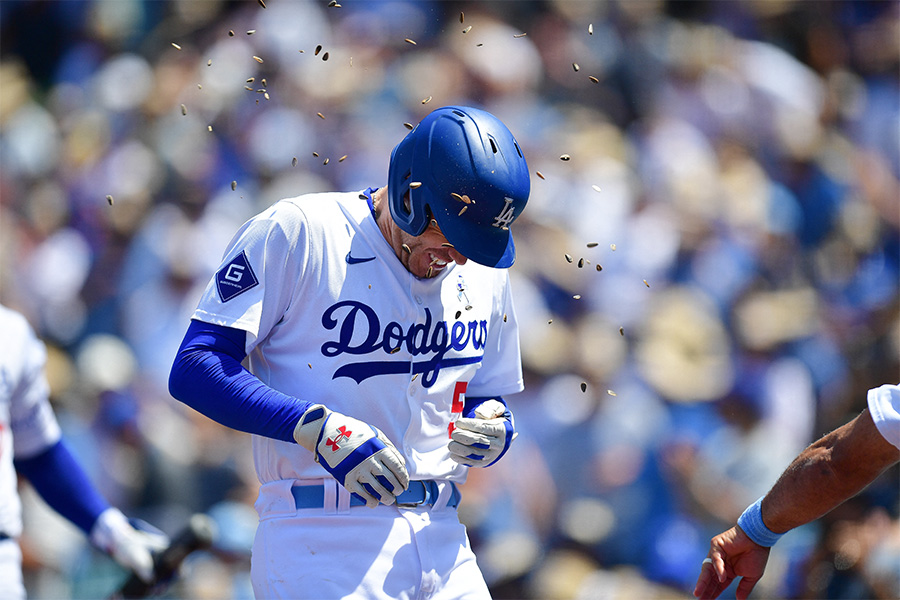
{"x": 381, "y": 338}
{"x": 831, "y": 470}
{"x": 31, "y": 443}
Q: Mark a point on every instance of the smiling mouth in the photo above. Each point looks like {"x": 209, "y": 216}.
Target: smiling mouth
{"x": 437, "y": 263}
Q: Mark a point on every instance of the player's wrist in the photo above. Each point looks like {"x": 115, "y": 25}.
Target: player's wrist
{"x": 309, "y": 426}
{"x": 752, "y": 524}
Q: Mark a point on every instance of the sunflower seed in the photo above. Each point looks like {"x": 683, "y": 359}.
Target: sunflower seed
{"x": 262, "y": 3}
{"x": 610, "y": 392}
{"x": 263, "y": 82}
{"x": 395, "y": 350}
{"x": 612, "y": 247}
{"x": 590, "y": 29}
{"x": 430, "y": 271}
{"x": 504, "y": 317}
{"x": 622, "y": 331}
{"x": 462, "y": 17}
{"x": 318, "y": 49}
{"x": 468, "y": 307}
{"x": 341, "y": 159}
{"x": 596, "y": 188}
{"x": 209, "y": 127}
{"x": 458, "y": 313}
{"x": 409, "y": 41}
{"x": 415, "y": 185}
{"x": 518, "y": 35}
{"x": 565, "y": 157}
{"x": 325, "y": 56}
{"x": 333, "y": 3}
{"x": 257, "y": 59}
{"x": 251, "y": 31}
{"x": 414, "y": 377}
{"x": 316, "y": 154}
{"x": 583, "y": 386}
{"x": 325, "y": 162}
{"x": 593, "y": 79}
{"x": 645, "y": 283}
{"x": 231, "y": 33}
{"x": 576, "y": 67}
{"x": 576, "y": 297}
{"x": 248, "y": 88}
{"x": 599, "y": 267}
{"x": 209, "y": 63}
{"x": 464, "y": 209}
{"x": 457, "y": 196}
{"x": 408, "y": 126}
{"x": 406, "y": 249}
{"x": 233, "y": 185}
{"x": 550, "y": 322}
{"x": 568, "y": 258}
{"x": 294, "y": 162}
{"x": 109, "y": 199}
{"x": 467, "y": 29}
{"x": 447, "y": 245}
{"x": 426, "y": 100}
{"x": 321, "y": 116}
{"x": 580, "y": 263}
{"x": 592, "y": 244}
{"x": 176, "y": 46}
{"x": 539, "y": 174}
{"x": 183, "y": 109}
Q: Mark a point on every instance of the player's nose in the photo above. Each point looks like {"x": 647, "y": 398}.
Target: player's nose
{"x": 457, "y": 257}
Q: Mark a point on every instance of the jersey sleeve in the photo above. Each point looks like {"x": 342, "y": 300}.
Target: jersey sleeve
{"x": 258, "y": 276}
{"x": 32, "y": 421}
{"x": 884, "y": 406}
{"x": 501, "y": 371}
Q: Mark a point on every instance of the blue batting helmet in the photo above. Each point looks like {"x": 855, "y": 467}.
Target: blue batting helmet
{"x": 462, "y": 167}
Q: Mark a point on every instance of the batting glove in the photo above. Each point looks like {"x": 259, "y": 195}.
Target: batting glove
{"x": 130, "y": 547}
{"x": 358, "y": 455}
{"x": 483, "y": 440}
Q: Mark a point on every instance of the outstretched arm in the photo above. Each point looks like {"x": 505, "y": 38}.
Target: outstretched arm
{"x": 828, "y": 472}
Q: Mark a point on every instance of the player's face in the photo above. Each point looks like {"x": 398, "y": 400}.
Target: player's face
{"x": 429, "y": 253}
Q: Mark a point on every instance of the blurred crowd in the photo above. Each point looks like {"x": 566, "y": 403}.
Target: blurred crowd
{"x": 707, "y": 278}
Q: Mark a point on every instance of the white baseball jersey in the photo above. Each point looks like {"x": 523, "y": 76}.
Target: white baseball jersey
{"x": 27, "y": 423}
{"x": 884, "y": 406}
{"x": 333, "y": 317}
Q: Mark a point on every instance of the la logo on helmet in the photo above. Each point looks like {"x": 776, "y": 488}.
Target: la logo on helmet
{"x": 507, "y": 214}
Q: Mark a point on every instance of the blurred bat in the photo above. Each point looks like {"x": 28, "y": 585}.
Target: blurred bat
{"x": 198, "y": 534}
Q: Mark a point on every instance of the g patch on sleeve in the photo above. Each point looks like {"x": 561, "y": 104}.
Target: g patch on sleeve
{"x": 235, "y": 278}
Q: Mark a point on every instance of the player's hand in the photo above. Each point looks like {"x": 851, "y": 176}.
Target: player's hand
{"x": 130, "y": 547}
{"x": 731, "y": 554}
{"x": 358, "y": 455}
{"x": 483, "y": 440}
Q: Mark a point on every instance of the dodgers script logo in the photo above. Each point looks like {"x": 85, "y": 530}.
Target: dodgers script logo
{"x": 360, "y": 332}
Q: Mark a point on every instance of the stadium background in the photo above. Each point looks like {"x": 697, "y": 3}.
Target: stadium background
{"x": 707, "y": 280}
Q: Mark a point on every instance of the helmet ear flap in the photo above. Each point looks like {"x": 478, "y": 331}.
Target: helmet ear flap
{"x": 408, "y": 213}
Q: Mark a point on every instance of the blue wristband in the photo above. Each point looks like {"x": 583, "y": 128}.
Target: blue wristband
{"x": 751, "y": 522}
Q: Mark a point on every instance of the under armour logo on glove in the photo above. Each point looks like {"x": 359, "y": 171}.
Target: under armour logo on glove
{"x": 343, "y": 433}
{"x": 358, "y": 455}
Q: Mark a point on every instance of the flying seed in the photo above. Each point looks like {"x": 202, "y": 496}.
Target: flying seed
{"x": 341, "y": 159}
{"x": 209, "y": 127}
{"x": 458, "y": 313}
{"x": 592, "y": 244}
{"x": 610, "y": 392}
{"x": 409, "y": 41}
{"x": 568, "y": 258}
{"x": 415, "y": 185}
{"x": 257, "y": 59}
{"x": 325, "y": 162}
{"x": 447, "y": 245}
{"x": 231, "y": 33}
{"x": 318, "y": 49}
{"x": 325, "y": 56}
{"x": 183, "y": 109}
{"x": 414, "y": 377}
{"x": 539, "y": 174}
{"x": 479, "y": 45}
{"x": 462, "y": 17}
{"x": 576, "y": 67}
{"x": 596, "y": 188}
{"x": 593, "y": 79}
{"x": 370, "y": 286}
{"x": 263, "y": 82}
{"x": 645, "y": 283}
{"x": 464, "y": 209}
{"x": 599, "y": 267}
{"x": 467, "y": 29}
{"x": 248, "y": 88}
{"x": 468, "y": 307}
{"x": 565, "y": 157}
{"x": 109, "y": 199}
{"x": 580, "y": 263}
{"x": 233, "y": 185}
{"x": 262, "y": 3}
{"x": 406, "y": 249}
{"x": 430, "y": 271}
{"x": 333, "y": 3}
{"x": 426, "y": 100}
{"x": 176, "y": 46}
{"x": 550, "y": 322}
{"x": 251, "y": 31}
{"x": 363, "y": 197}
{"x": 209, "y": 63}
{"x": 408, "y": 126}
{"x": 518, "y": 35}
{"x": 504, "y": 317}
{"x": 395, "y": 350}
{"x": 576, "y": 297}
{"x": 316, "y": 154}
{"x": 294, "y": 162}
{"x": 199, "y": 86}
{"x": 612, "y": 247}
{"x": 583, "y": 386}
{"x": 622, "y": 331}
{"x": 321, "y": 116}
{"x": 309, "y": 365}
{"x": 590, "y": 29}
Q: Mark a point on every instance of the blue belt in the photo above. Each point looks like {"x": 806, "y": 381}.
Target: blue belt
{"x": 418, "y": 493}
{"x": 4, "y": 537}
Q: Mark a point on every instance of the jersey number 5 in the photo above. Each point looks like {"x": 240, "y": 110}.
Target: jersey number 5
{"x": 459, "y": 401}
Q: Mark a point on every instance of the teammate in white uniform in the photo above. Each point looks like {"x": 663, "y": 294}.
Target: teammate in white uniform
{"x": 831, "y": 470}
{"x": 31, "y": 442}
{"x": 381, "y": 338}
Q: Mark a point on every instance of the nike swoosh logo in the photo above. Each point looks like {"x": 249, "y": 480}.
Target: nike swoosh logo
{"x": 352, "y": 260}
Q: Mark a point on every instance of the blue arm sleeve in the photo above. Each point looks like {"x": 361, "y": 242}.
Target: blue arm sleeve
{"x": 208, "y": 376}
{"x": 64, "y": 486}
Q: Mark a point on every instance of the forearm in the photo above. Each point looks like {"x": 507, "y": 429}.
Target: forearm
{"x": 64, "y": 486}
{"x": 831, "y": 470}
{"x": 208, "y": 376}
